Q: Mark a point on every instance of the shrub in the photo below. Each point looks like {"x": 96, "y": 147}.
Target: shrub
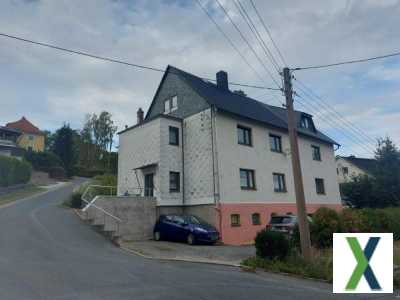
{"x": 14, "y": 171}
{"x": 326, "y": 221}
{"x": 76, "y": 200}
{"x": 271, "y": 244}
{"x": 43, "y": 161}
{"x": 57, "y": 173}
{"x": 87, "y": 172}
{"x": 106, "y": 180}
{"x": 351, "y": 220}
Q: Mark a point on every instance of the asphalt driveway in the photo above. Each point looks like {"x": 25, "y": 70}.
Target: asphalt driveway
{"x": 46, "y": 252}
{"x": 218, "y": 254}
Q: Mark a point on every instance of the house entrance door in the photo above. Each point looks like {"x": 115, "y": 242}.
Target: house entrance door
{"x": 149, "y": 185}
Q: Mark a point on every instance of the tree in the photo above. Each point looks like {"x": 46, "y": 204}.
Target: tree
{"x": 387, "y": 172}
{"x": 64, "y": 147}
{"x": 382, "y": 187}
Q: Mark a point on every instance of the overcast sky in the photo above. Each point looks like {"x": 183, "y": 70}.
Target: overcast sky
{"x": 49, "y": 87}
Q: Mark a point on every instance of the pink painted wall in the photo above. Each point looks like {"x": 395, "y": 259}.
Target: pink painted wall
{"x": 246, "y": 232}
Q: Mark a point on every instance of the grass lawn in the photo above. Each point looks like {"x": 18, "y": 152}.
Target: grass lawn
{"x": 20, "y": 194}
{"x": 319, "y": 268}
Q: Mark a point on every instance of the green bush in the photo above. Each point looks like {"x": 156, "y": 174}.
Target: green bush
{"x": 351, "y": 220}
{"x": 88, "y": 173}
{"x": 271, "y": 244}
{"x": 43, "y": 161}
{"x": 14, "y": 171}
{"x": 76, "y": 200}
{"x": 326, "y": 221}
{"x": 106, "y": 180}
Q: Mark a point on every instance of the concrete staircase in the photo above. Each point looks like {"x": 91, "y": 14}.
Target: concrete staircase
{"x": 122, "y": 218}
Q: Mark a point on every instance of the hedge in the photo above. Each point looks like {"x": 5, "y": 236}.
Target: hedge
{"x": 14, "y": 171}
{"x": 43, "y": 161}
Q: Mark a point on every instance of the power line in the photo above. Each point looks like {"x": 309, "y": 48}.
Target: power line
{"x": 228, "y": 39}
{"x": 336, "y": 124}
{"x": 113, "y": 60}
{"x": 335, "y": 127}
{"x": 256, "y": 33}
{"x": 330, "y": 118}
{"x": 268, "y": 32}
{"x": 302, "y": 104}
{"x": 318, "y": 98}
{"x": 247, "y": 42}
{"x": 347, "y": 62}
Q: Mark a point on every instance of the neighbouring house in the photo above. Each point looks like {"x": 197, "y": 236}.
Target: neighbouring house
{"x": 348, "y": 167}
{"x": 31, "y": 137}
{"x": 8, "y": 142}
{"x": 205, "y": 150}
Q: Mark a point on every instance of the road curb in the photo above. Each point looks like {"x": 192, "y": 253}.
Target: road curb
{"x": 33, "y": 196}
{"x": 219, "y": 263}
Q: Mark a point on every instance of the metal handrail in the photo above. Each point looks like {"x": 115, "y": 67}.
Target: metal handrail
{"x": 91, "y": 202}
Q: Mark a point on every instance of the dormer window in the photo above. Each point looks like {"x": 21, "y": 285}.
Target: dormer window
{"x": 171, "y": 104}
{"x": 307, "y": 123}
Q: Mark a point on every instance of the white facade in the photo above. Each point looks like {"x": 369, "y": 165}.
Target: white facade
{"x": 146, "y": 149}
{"x": 258, "y": 157}
{"x": 346, "y": 170}
{"x": 212, "y": 167}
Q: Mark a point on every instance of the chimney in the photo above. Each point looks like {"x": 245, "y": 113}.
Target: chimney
{"x": 140, "y": 115}
{"x": 222, "y": 80}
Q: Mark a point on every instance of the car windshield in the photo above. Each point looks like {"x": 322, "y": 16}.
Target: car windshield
{"x": 282, "y": 220}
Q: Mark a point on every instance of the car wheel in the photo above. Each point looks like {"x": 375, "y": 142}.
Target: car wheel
{"x": 191, "y": 239}
{"x": 157, "y": 236}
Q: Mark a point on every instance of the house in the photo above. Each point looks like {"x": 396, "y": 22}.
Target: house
{"x": 31, "y": 137}
{"x": 8, "y": 142}
{"x": 351, "y": 166}
{"x": 205, "y": 150}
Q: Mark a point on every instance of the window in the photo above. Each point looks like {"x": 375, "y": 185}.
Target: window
{"x": 345, "y": 170}
{"x": 316, "y": 153}
{"x": 247, "y": 181}
{"x": 235, "y": 220}
{"x": 174, "y": 182}
{"x": 171, "y": 104}
{"x": 279, "y": 182}
{"x": 173, "y": 136}
{"x": 174, "y": 103}
{"x": 255, "y": 218}
{"x": 275, "y": 142}
{"x": 30, "y": 137}
{"x": 319, "y": 185}
{"x": 167, "y": 106}
{"x": 307, "y": 123}
{"x": 244, "y": 135}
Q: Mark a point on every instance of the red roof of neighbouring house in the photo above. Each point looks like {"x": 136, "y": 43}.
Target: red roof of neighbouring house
{"x": 25, "y": 126}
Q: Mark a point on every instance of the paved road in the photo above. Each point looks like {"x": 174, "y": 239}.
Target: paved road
{"x": 46, "y": 252}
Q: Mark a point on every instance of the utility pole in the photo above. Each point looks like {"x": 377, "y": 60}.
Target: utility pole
{"x": 298, "y": 179}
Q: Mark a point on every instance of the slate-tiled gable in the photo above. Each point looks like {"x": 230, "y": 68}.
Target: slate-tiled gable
{"x": 244, "y": 106}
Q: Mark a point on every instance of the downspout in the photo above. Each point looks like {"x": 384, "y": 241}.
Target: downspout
{"x": 215, "y": 169}
{"x": 183, "y": 166}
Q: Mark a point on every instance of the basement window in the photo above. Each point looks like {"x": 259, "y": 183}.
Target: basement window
{"x": 256, "y": 219}
{"x": 235, "y": 220}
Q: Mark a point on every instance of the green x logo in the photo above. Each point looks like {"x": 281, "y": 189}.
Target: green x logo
{"x": 363, "y": 268}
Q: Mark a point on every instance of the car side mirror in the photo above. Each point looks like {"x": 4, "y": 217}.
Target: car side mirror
{"x": 185, "y": 224}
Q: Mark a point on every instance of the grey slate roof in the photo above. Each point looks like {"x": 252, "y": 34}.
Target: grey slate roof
{"x": 366, "y": 164}
{"x": 245, "y": 106}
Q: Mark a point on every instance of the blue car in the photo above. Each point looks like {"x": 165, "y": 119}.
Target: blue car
{"x": 184, "y": 228}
